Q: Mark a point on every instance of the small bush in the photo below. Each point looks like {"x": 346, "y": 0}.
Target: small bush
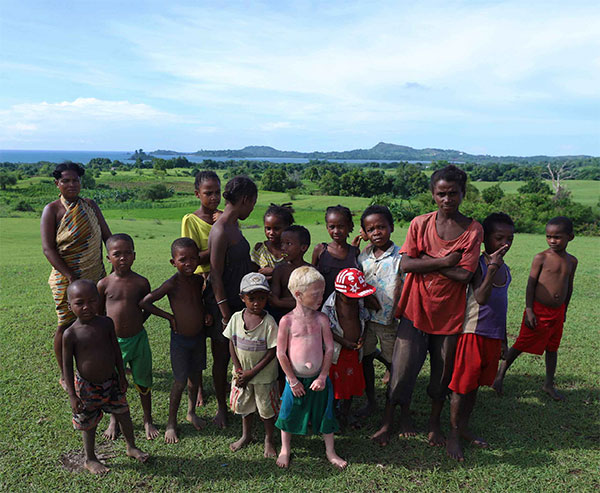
{"x": 23, "y": 206}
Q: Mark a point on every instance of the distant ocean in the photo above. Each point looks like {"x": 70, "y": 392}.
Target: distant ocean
{"x": 84, "y": 157}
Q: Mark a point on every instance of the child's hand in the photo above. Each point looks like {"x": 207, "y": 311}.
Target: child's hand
{"x": 76, "y": 404}
{"x": 498, "y": 256}
{"x": 208, "y": 319}
{"x": 298, "y": 389}
{"x": 356, "y": 241}
{"x": 173, "y": 324}
{"x": 453, "y": 258}
{"x": 216, "y": 215}
{"x": 530, "y": 318}
{"x": 359, "y": 343}
{"x": 123, "y": 384}
{"x": 318, "y": 384}
{"x": 243, "y": 377}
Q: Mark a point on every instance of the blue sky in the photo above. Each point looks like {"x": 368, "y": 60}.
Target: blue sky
{"x": 501, "y": 78}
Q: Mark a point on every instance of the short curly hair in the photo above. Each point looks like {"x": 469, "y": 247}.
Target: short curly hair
{"x": 67, "y": 166}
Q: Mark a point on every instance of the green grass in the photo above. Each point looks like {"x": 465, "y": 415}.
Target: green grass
{"x": 538, "y": 445}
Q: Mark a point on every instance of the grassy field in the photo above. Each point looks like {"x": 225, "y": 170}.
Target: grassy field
{"x": 537, "y": 444}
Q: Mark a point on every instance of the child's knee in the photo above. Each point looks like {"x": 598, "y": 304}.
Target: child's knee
{"x": 178, "y": 386}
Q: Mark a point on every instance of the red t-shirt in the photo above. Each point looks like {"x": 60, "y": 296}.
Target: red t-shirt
{"x": 434, "y": 303}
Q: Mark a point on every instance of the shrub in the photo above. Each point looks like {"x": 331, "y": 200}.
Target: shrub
{"x": 156, "y": 192}
{"x": 23, "y": 206}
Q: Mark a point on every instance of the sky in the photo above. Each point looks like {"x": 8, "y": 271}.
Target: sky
{"x": 484, "y": 77}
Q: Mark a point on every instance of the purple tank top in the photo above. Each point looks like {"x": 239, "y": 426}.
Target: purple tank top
{"x": 488, "y": 320}
{"x": 330, "y": 266}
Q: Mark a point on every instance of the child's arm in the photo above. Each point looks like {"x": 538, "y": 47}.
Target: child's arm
{"x": 237, "y": 366}
{"x": 483, "y": 288}
{"x": 246, "y": 375}
{"x": 118, "y": 356}
{"x": 425, "y": 263}
{"x": 570, "y": 287}
{"x": 284, "y": 361}
{"x": 345, "y": 342}
{"x": 148, "y": 303}
{"x": 145, "y": 290}
{"x": 67, "y": 350}
{"x": 102, "y": 294}
{"x": 319, "y": 383}
{"x": 275, "y": 299}
{"x": 319, "y": 247}
{"x": 534, "y": 274}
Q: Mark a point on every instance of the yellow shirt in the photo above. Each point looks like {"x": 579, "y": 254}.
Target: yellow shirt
{"x": 198, "y": 230}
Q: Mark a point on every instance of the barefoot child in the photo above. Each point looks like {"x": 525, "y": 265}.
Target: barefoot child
{"x": 252, "y": 335}
{"x": 547, "y": 297}
{"x": 97, "y": 386}
{"x": 347, "y": 316}
{"x": 268, "y": 254}
{"x": 197, "y": 226}
{"x": 439, "y": 257}
{"x": 295, "y": 241}
{"x": 380, "y": 262}
{"x": 484, "y": 331}
{"x": 304, "y": 350}
{"x": 120, "y": 295}
{"x": 331, "y": 258}
{"x": 188, "y": 348}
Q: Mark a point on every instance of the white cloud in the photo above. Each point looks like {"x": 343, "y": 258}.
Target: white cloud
{"x": 268, "y": 126}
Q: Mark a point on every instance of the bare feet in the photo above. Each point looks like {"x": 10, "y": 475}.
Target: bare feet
{"x": 196, "y": 420}
{"x": 498, "y": 387}
{"x": 171, "y": 434}
{"x": 270, "y": 450}
{"x": 96, "y": 467}
{"x": 137, "y": 454}
{"x": 407, "y": 427}
{"x": 382, "y": 437}
{"x": 220, "y": 419}
{"x": 386, "y": 378}
{"x": 366, "y": 411}
{"x": 453, "y": 447}
{"x": 62, "y": 383}
{"x": 113, "y": 430}
{"x": 474, "y": 440}
{"x": 200, "y": 398}
{"x": 436, "y": 437}
{"x": 337, "y": 461}
{"x": 151, "y": 431}
{"x": 552, "y": 392}
{"x": 241, "y": 443}
{"x": 283, "y": 460}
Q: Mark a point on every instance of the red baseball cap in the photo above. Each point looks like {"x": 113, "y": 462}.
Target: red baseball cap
{"x": 351, "y": 282}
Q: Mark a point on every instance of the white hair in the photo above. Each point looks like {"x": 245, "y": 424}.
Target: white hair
{"x": 302, "y": 277}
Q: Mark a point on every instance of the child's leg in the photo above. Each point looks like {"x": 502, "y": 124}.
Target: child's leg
{"x": 58, "y": 351}
{"x": 332, "y": 457}
{"x": 510, "y": 358}
{"x": 174, "y": 400}
{"x": 453, "y": 446}
{"x": 270, "y": 450}
{"x": 382, "y": 436}
{"x": 551, "y": 361}
{"x": 92, "y": 463}
{"x": 246, "y": 433}
{"x": 124, "y": 420}
{"x": 112, "y": 431}
{"x": 200, "y": 399}
{"x": 369, "y": 374}
{"x": 192, "y": 417}
{"x": 146, "y": 399}
{"x": 469, "y": 404}
{"x": 284, "y": 455}
{"x": 220, "y": 352}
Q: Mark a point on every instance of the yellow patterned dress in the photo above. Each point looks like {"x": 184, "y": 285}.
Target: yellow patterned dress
{"x": 79, "y": 243}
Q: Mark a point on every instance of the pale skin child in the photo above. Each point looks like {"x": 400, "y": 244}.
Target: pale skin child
{"x": 499, "y": 234}
{"x": 92, "y": 341}
{"x": 225, "y": 274}
{"x": 304, "y": 350}
{"x": 295, "y": 241}
{"x": 547, "y": 298}
{"x": 207, "y": 188}
{"x": 188, "y": 349}
{"x": 67, "y": 178}
{"x": 120, "y": 294}
{"x": 447, "y": 226}
{"x": 276, "y": 219}
{"x": 255, "y": 300}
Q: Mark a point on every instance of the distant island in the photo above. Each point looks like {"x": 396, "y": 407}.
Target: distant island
{"x": 382, "y": 151}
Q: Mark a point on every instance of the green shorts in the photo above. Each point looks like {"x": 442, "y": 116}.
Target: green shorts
{"x": 136, "y": 352}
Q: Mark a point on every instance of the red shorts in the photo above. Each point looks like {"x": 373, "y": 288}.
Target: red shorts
{"x": 475, "y": 363}
{"x": 347, "y": 375}
{"x": 547, "y": 333}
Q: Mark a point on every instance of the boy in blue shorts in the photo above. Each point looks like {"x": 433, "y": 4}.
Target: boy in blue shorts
{"x": 120, "y": 295}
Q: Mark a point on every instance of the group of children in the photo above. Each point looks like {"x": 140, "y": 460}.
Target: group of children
{"x": 303, "y": 338}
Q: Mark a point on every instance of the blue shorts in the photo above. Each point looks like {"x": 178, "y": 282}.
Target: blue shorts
{"x": 188, "y": 355}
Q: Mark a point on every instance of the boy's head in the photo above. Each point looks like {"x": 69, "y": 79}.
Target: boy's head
{"x": 184, "y": 253}
{"x": 295, "y": 241}
{"x": 559, "y": 232}
{"x": 351, "y": 283}
{"x": 498, "y": 230}
{"x": 448, "y": 187}
{"x": 307, "y": 286}
{"x": 83, "y": 299}
{"x": 254, "y": 291}
{"x": 121, "y": 251}
{"x": 377, "y": 223}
